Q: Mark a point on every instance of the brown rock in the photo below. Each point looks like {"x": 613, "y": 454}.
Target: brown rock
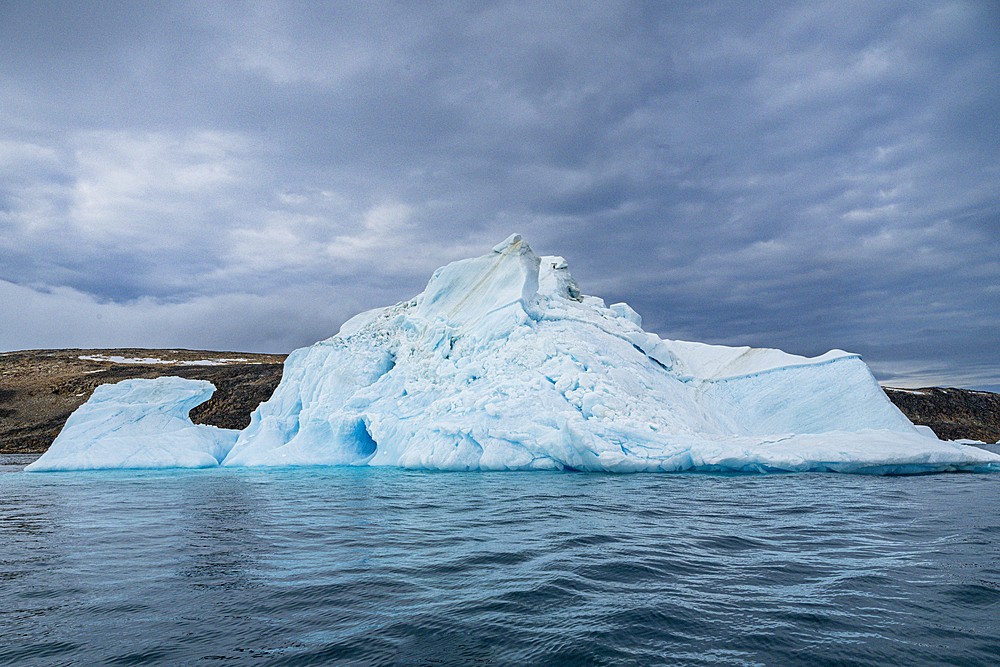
{"x": 953, "y": 414}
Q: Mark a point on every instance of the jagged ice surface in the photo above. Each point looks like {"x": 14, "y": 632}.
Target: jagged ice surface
{"x": 139, "y": 424}
{"x": 502, "y": 364}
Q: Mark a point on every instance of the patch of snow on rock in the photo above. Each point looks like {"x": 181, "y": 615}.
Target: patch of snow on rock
{"x": 117, "y": 359}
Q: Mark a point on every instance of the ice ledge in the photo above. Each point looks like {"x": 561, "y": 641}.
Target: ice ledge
{"x": 715, "y": 363}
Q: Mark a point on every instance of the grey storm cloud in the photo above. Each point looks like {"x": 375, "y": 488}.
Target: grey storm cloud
{"x": 803, "y": 175}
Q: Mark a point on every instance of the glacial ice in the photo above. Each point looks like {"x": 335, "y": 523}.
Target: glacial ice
{"x": 139, "y": 424}
{"x": 502, "y": 364}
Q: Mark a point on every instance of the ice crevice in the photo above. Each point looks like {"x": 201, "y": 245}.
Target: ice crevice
{"x": 502, "y": 363}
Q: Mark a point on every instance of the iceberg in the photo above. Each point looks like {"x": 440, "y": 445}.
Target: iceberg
{"x": 501, "y": 363}
{"x": 139, "y": 424}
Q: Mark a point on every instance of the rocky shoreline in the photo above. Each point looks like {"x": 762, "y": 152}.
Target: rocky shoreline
{"x": 953, "y": 414}
{"x": 39, "y": 389}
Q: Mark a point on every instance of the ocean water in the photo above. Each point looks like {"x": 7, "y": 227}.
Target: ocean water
{"x": 370, "y": 566}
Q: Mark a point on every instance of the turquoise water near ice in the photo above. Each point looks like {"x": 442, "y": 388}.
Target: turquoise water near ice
{"x": 373, "y": 566}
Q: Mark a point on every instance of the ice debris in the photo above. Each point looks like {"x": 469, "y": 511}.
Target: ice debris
{"x": 502, "y": 364}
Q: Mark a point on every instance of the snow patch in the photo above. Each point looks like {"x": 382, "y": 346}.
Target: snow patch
{"x": 115, "y": 359}
{"x": 908, "y": 391}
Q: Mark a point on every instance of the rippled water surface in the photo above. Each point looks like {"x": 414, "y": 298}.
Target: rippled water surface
{"x": 368, "y": 566}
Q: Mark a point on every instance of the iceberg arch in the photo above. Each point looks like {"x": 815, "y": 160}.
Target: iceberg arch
{"x": 139, "y": 424}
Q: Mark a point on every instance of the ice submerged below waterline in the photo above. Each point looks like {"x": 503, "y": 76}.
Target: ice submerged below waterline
{"x": 501, "y": 364}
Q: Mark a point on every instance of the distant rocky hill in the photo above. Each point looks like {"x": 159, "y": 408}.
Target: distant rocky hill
{"x": 952, "y": 414}
{"x": 39, "y": 389}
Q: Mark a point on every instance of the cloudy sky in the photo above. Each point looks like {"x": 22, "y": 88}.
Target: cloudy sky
{"x": 246, "y": 176}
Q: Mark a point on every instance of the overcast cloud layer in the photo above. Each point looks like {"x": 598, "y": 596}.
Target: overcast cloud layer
{"x": 246, "y": 176}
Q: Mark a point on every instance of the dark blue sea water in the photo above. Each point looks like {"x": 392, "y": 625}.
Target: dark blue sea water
{"x": 368, "y": 566}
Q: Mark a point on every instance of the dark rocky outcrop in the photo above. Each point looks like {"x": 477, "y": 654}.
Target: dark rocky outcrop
{"x": 39, "y": 389}
{"x": 952, "y": 414}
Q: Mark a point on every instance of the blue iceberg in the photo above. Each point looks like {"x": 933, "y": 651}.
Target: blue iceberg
{"x": 502, "y": 364}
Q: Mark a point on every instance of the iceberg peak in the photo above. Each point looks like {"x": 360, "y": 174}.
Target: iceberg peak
{"x": 500, "y": 286}
{"x": 514, "y": 241}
